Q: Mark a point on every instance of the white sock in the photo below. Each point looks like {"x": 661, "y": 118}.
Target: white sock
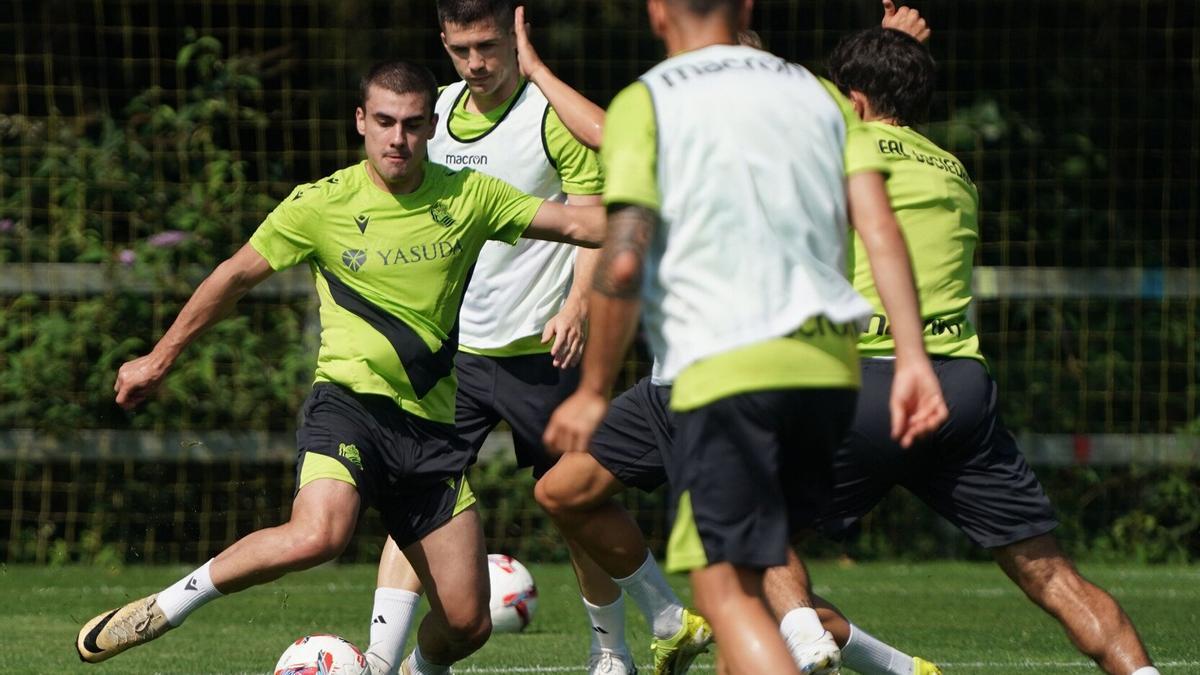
{"x": 187, "y": 595}
{"x": 417, "y": 665}
{"x": 1146, "y": 670}
{"x": 653, "y": 595}
{"x": 608, "y": 625}
{"x": 872, "y": 657}
{"x": 801, "y": 626}
{"x": 391, "y": 617}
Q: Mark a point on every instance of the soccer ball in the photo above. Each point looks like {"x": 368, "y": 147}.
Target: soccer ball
{"x": 514, "y": 597}
{"x": 322, "y": 655}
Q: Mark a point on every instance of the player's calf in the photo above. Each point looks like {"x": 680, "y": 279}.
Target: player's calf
{"x": 1093, "y": 620}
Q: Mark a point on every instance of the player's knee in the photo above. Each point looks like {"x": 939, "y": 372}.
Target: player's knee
{"x": 550, "y": 493}
{"x": 1045, "y": 579}
{"x": 316, "y": 546}
{"x": 469, "y": 629}
{"x": 576, "y": 484}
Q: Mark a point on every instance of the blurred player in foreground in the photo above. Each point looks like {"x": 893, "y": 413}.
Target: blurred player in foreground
{"x": 732, "y": 209}
{"x": 390, "y": 243}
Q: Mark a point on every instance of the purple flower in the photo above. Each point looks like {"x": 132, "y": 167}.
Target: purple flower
{"x": 127, "y": 257}
{"x": 168, "y": 239}
{"x": 6, "y": 225}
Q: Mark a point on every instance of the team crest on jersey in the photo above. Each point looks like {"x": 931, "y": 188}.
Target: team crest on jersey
{"x": 441, "y": 214}
{"x": 361, "y": 221}
{"x": 354, "y": 259}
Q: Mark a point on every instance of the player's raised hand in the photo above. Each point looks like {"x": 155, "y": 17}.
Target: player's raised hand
{"x": 137, "y": 379}
{"x": 916, "y": 403}
{"x": 568, "y": 330}
{"x": 905, "y": 20}
{"x": 574, "y": 422}
{"x": 527, "y": 57}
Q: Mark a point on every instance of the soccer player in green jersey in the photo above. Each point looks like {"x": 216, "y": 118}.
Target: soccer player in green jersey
{"x": 390, "y": 243}
{"x": 727, "y": 199}
{"x": 970, "y": 471}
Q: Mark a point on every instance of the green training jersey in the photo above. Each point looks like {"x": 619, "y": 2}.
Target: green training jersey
{"x": 937, "y": 206}
{"x": 390, "y": 272}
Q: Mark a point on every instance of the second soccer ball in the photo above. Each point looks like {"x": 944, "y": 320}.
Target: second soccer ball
{"x": 514, "y": 595}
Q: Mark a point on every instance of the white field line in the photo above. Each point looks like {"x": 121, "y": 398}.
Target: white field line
{"x": 986, "y": 665}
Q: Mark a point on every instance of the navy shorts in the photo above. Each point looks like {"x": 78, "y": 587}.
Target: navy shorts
{"x": 750, "y": 471}
{"x": 521, "y": 390}
{"x": 971, "y": 471}
{"x": 635, "y": 435}
{"x": 408, "y": 468}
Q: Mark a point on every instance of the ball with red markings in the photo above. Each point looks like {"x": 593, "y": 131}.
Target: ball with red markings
{"x": 514, "y": 595}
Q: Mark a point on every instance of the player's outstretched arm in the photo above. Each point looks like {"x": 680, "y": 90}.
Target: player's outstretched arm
{"x": 578, "y": 225}
{"x": 916, "y": 401}
{"x": 905, "y": 20}
{"x": 212, "y": 300}
{"x": 615, "y": 303}
{"x": 584, "y": 119}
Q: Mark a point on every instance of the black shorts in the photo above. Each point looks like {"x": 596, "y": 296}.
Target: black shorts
{"x": 751, "y": 470}
{"x": 521, "y": 390}
{"x": 970, "y": 471}
{"x": 634, "y": 436}
{"x": 409, "y": 468}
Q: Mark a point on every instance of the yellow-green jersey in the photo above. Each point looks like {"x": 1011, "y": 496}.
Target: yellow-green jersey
{"x": 515, "y": 290}
{"x": 746, "y": 286}
{"x": 390, "y": 271}
{"x": 937, "y": 206}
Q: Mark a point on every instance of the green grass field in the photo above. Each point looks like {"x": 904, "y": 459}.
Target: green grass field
{"x": 965, "y": 616}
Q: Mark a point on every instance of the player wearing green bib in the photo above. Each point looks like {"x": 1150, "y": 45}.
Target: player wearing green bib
{"x": 728, "y": 198}
{"x": 390, "y": 243}
{"x": 970, "y": 471}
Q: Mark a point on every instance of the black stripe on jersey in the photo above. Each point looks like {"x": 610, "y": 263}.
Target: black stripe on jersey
{"x": 546, "y": 141}
{"x": 466, "y": 89}
{"x": 423, "y": 367}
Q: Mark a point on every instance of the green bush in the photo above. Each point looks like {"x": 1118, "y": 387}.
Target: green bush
{"x": 156, "y": 195}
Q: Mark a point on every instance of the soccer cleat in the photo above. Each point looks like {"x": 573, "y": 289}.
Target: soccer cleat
{"x": 113, "y": 632}
{"x": 923, "y": 667}
{"x": 606, "y": 662}
{"x": 674, "y": 655}
{"x": 819, "y": 657}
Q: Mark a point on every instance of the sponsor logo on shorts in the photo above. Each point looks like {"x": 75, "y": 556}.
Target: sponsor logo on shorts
{"x": 350, "y": 453}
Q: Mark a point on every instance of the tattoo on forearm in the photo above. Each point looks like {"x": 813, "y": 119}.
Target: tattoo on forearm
{"x": 620, "y": 268}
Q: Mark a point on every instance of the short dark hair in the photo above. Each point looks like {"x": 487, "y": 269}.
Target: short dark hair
{"x": 466, "y": 12}
{"x": 892, "y": 69}
{"x": 706, "y": 7}
{"x": 749, "y": 38}
{"x": 401, "y": 77}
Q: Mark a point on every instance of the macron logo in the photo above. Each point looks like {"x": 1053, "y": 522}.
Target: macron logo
{"x": 191, "y": 584}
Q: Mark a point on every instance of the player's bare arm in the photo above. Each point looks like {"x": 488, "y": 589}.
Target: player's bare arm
{"x": 578, "y": 225}
{"x": 568, "y": 328}
{"x": 916, "y": 401}
{"x": 615, "y": 304}
{"x": 212, "y": 300}
{"x": 584, "y": 119}
{"x": 905, "y": 20}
